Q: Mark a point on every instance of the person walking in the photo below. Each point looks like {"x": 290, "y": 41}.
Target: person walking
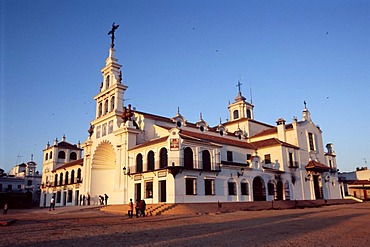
{"x": 5, "y": 208}
{"x": 130, "y": 208}
{"x": 52, "y": 203}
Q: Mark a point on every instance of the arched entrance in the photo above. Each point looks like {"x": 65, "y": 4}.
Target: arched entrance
{"x": 259, "y": 190}
{"x": 103, "y": 170}
{"x": 279, "y": 191}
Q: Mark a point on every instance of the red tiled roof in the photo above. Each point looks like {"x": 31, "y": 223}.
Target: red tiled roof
{"x": 271, "y": 131}
{"x": 247, "y": 119}
{"x": 316, "y": 166}
{"x": 155, "y": 117}
{"x": 218, "y": 139}
{"x": 69, "y": 164}
{"x": 149, "y": 143}
{"x": 266, "y": 132}
{"x": 359, "y": 182}
{"x": 67, "y": 146}
{"x": 272, "y": 142}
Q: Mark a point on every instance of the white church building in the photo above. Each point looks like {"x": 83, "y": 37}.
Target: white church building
{"x": 138, "y": 155}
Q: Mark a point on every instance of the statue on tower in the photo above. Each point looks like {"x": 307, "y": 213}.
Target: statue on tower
{"x": 111, "y": 32}
{"x": 91, "y": 130}
{"x": 127, "y": 114}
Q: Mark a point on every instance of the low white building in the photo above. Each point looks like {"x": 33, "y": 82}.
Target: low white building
{"x": 356, "y": 183}
{"x": 138, "y": 155}
{"x": 22, "y": 178}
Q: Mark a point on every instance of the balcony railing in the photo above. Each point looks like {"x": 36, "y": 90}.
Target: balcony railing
{"x": 63, "y": 183}
{"x": 293, "y": 164}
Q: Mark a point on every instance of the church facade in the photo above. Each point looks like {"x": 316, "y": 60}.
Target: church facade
{"x": 138, "y": 155}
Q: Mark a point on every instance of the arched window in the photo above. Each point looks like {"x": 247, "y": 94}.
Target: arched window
{"x": 51, "y": 155}
{"x": 163, "y": 158}
{"x": 56, "y": 180}
{"x": 79, "y": 175}
{"x": 150, "y": 161}
{"x": 66, "y": 179}
{"x": 244, "y": 187}
{"x": 46, "y": 156}
{"x": 61, "y": 155}
{"x": 139, "y": 163}
{"x": 61, "y": 179}
{"x": 107, "y": 81}
{"x": 106, "y": 107}
{"x": 73, "y": 156}
{"x": 112, "y": 104}
{"x": 206, "y": 160}
{"x": 236, "y": 114}
{"x": 100, "y": 109}
{"x": 73, "y": 177}
{"x": 231, "y": 185}
{"x": 188, "y": 158}
{"x": 249, "y": 114}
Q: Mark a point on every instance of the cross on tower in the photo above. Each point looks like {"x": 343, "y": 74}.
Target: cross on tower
{"x": 238, "y": 85}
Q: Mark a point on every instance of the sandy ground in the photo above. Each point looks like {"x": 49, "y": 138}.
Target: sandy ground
{"x": 337, "y": 225}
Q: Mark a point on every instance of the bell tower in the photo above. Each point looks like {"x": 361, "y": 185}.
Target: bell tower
{"x": 109, "y": 100}
{"x": 240, "y": 108}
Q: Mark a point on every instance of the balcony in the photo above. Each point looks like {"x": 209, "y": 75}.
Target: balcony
{"x": 293, "y": 164}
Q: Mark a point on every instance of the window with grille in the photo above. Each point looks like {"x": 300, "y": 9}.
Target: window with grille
{"x": 190, "y": 186}
{"x": 209, "y": 186}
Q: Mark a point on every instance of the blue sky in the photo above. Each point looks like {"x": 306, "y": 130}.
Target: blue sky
{"x": 189, "y": 54}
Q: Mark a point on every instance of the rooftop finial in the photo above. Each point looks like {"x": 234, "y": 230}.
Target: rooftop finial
{"x": 238, "y": 85}
{"x": 201, "y": 117}
{"x": 178, "y": 110}
{"x": 305, "y": 104}
{"x": 111, "y": 32}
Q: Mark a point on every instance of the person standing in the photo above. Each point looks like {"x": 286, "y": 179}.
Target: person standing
{"x": 5, "y": 208}
{"x": 84, "y": 200}
{"x": 52, "y": 203}
{"x": 137, "y": 208}
{"x": 130, "y": 208}
{"x": 88, "y": 199}
{"x": 81, "y": 200}
{"x": 106, "y": 199}
{"x": 143, "y": 207}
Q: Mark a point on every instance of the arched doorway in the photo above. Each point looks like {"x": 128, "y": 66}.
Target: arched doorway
{"x": 103, "y": 170}
{"x": 259, "y": 190}
{"x": 279, "y": 191}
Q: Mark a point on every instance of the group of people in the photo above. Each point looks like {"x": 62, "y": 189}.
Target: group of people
{"x": 85, "y": 200}
{"x": 103, "y": 198}
{"x": 140, "y": 207}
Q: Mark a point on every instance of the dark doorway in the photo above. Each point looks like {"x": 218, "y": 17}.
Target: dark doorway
{"x": 64, "y": 198}
{"x": 138, "y": 192}
{"x": 259, "y": 190}
{"x": 318, "y": 189}
{"x": 77, "y": 194}
{"x": 162, "y": 191}
{"x": 279, "y": 191}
